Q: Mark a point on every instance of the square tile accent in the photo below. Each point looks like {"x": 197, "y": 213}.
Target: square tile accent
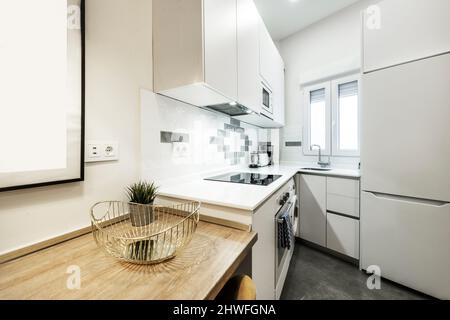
{"x": 169, "y": 137}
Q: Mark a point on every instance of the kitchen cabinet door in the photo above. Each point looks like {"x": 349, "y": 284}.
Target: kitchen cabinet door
{"x": 195, "y": 50}
{"x": 405, "y": 130}
{"x": 220, "y": 46}
{"x": 248, "y": 55}
{"x": 278, "y": 92}
{"x": 268, "y": 54}
{"x": 313, "y": 219}
{"x": 343, "y": 235}
{"x": 408, "y": 239}
{"x": 404, "y": 30}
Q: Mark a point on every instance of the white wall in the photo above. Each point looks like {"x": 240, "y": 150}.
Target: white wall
{"x": 118, "y": 64}
{"x": 118, "y": 67}
{"x": 327, "y": 47}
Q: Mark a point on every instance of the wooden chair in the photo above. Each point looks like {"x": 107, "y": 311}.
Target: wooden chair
{"x": 240, "y": 287}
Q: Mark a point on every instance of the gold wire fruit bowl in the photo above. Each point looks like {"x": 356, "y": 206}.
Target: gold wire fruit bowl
{"x": 143, "y": 234}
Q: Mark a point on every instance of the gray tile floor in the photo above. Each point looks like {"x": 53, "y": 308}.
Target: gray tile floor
{"x": 315, "y": 275}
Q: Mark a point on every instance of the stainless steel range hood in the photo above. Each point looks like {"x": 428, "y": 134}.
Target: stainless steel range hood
{"x": 232, "y": 109}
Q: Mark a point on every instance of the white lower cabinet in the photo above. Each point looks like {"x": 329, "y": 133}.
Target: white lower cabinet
{"x": 313, "y": 211}
{"x": 343, "y": 196}
{"x": 329, "y": 213}
{"x": 343, "y": 235}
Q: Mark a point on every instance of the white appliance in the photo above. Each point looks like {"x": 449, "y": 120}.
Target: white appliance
{"x": 270, "y": 263}
{"x": 266, "y": 100}
{"x": 283, "y": 256}
{"x": 264, "y": 160}
{"x": 405, "y": 158}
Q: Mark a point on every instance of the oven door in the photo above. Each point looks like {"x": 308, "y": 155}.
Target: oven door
{"x": 283, "y": 255}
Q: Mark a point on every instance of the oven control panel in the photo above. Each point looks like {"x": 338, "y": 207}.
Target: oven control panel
{"x": 287, "y": 193}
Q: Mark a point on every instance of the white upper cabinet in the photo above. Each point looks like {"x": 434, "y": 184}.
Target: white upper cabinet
{"x": 404, "y": 30}
{"x": 248, "y": 55}
{"x": 221, "y": 46}
{"x": 211, "y": 53}
{"x": 266, "y": 55}
{"x": 195, "y": 50}
{"x": 278, "y": 92}
{"x": 271, "y": 70}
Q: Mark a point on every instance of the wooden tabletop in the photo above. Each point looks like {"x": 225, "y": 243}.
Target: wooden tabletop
{"x": 198, "y": 272}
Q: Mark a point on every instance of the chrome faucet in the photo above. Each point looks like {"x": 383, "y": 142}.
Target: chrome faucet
{"x": 320, "y": 162}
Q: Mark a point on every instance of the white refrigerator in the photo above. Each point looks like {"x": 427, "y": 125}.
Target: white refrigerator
{"x": 405, "y": 169}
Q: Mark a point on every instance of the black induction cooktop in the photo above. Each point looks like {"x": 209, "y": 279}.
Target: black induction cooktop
{"x": 246, "y": 178}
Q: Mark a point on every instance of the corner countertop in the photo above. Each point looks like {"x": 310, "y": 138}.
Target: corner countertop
{"x": 242, "y": 196}
{"x": 198, "y": 272}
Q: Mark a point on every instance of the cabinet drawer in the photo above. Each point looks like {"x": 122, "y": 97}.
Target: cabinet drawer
{"x": 343, "y": 204}
{"x": 343, "y": 235}
{"x": 343, "y": 187}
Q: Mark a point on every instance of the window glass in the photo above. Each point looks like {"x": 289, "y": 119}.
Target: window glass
{"x": 348, "y": 116}
{"x": 318, "y": 118}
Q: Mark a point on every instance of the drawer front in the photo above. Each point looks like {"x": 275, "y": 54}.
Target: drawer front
{"x": 342, "y": 204}
{"x": 343, "y": 235}
{"x": 343, "y": 187}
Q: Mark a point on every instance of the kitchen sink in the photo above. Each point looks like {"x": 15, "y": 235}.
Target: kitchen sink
{"x": 317, "y": 169}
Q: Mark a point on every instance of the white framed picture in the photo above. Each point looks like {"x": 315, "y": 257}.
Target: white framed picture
{"x": 41, "y": 92}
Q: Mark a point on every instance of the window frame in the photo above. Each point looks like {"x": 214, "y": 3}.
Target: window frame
{"x": 307, "y": 119}
{"x": 335, "y": 151}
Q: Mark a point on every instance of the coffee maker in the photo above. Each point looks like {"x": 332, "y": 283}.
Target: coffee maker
{"x": 263, "y": 157}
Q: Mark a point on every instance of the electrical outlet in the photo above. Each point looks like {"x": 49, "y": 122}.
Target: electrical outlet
{"x": 98, "y": 151}
{"x": 93, "y": 151}
{"x": 110, "y": 150}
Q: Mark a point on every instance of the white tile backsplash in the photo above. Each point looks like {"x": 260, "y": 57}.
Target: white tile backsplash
{"x": 213, "y": 142}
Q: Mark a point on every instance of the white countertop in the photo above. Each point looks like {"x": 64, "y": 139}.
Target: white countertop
{"x": 242, "y": 196}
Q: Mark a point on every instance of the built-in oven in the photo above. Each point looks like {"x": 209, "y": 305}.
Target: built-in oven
{"x": 283, "y": 254}
{"x": 267, "y": 99}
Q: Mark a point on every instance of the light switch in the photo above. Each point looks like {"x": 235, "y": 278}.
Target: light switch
{"x": 97, "y": 151}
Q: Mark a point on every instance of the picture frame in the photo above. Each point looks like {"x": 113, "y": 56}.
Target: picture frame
{"x": 72, "y": 168}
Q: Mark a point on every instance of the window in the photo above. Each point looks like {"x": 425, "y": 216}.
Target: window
{"x": 345, "y": 105}
{"x": 318, "y": 118}
{"x": 338, "y": 134}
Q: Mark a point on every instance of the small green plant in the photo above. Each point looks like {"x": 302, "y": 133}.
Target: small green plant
{"x": 142, "y": 192}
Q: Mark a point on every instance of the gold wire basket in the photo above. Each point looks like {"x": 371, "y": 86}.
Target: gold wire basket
{"x": 143, "y": 234}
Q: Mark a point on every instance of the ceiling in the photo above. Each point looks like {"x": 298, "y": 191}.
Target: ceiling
{"x": 285, "y": 17}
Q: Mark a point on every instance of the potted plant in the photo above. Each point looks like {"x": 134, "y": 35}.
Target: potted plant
{"x": 141, "y": 196}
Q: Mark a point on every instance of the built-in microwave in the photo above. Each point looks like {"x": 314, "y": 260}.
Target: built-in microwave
{"x": 267, "y": 99}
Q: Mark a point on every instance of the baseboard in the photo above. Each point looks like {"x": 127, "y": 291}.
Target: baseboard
{"x": 43, "y": 245}
{"x": 333, "y": 253}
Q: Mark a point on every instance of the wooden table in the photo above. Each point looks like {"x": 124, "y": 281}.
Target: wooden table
{"x": 199, "y": 272}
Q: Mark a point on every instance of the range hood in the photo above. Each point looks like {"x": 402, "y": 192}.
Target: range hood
{"x": 244, "y": 114}
{"x": 232, "y": 109}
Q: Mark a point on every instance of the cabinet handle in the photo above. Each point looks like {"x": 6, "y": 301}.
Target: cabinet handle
{"x": 434, "y": 203}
